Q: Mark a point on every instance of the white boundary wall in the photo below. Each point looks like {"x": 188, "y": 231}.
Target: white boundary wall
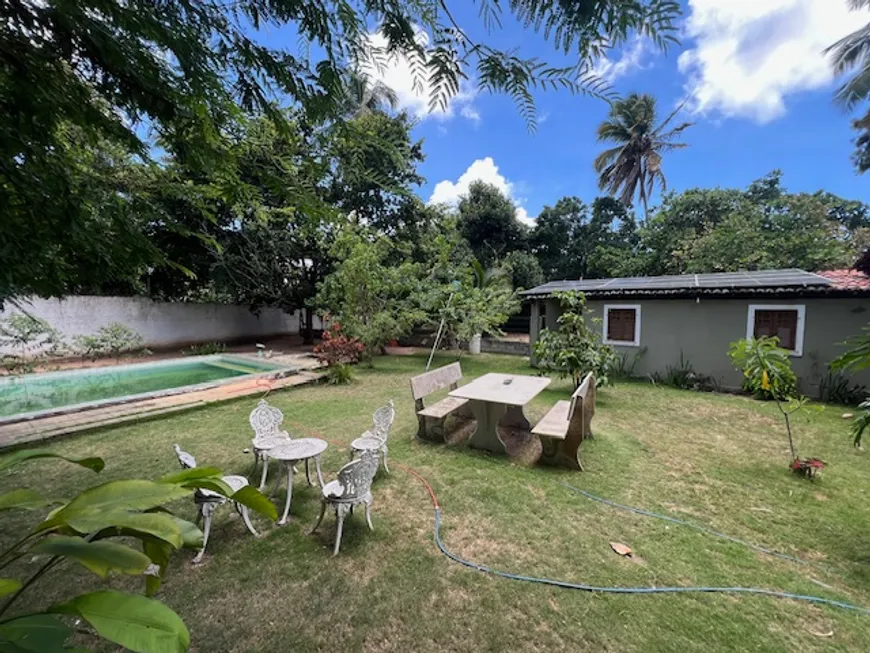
{"x": 161, "y": 324}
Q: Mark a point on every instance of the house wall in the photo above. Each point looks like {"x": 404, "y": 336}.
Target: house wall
{"x": 703, "y": 331}
{"x": 161, "y": 324}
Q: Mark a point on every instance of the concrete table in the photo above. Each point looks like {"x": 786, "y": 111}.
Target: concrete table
{"x": 498, "y": 400}
{"x": 291, "y": 452}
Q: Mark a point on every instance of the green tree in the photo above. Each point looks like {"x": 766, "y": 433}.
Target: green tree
{"x": 487, "y": 220}
{"x": 851, "y": 54}
{"x": 524, "y": 269}
{"x": 572, "y": 242}
{"x": 374, "y": 301}
{"x": 186, "y": 71}
{"x": 762, "y": 227}
{"x": 634, "y": 165}
{"x": 767, "y": 371}
{"x": 557, "y": 238}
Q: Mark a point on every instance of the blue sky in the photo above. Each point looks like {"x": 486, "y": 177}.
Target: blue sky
{"x": 759, "y": 90}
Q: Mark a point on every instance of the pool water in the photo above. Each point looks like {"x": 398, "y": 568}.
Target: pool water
{"x": 40, "y": 392}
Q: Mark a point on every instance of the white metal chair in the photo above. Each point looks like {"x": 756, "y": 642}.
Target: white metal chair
{"x": 266, "y": 421}
{"x": 352, "y": 487}
{"x": 207, "y": 501}
{"x": 376, "y": 439}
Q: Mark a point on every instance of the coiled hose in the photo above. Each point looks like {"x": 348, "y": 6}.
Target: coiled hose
{"x": 818, "y": 600}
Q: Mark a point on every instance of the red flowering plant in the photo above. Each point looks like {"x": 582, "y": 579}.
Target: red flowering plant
{"x": 339, "y": 352}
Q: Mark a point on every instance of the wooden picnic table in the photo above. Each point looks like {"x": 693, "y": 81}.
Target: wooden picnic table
{"x": 497, "y": 400}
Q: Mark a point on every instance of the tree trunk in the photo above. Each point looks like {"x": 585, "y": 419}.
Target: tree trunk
{"x": 308, "y": 328}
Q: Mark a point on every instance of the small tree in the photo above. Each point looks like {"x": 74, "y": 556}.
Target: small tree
{"x": 374, "y": 291}
{"x": 575, "y": 349}
{"x": 96, "y": 529}
{"x": 31, "y": 339}
{"x": 766, "y": 366}
{"x": 481, "y": 303}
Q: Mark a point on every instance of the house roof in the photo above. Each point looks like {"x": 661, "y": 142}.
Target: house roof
{"x": 847, "y": 279}
{"x": 723, "y": 284}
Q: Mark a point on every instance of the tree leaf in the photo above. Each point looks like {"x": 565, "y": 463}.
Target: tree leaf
{"x": 138, "y": 623}
{"x": 100, "y": 557}
{"x": 257, "y": 501}
{"x": 9, "y": 585}
{"x": 158, "y": 552}
{"x": 25, "y": 499}
{"x": 40, "y": 633}
{"x": 114, "y": 496}
{"x": 168, "y": 528}
{"x": 12, "y": 459}
{"x": 195, "y": 473}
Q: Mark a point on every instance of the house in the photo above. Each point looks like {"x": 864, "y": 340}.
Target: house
{"x": 653, "y": 321}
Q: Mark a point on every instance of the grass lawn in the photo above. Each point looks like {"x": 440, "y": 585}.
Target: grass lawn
{"x": 717, "y": 460}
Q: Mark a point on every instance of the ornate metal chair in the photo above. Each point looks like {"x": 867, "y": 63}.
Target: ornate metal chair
{"x": 266, "y": 421}
{"x": 376, "y": 439}
{"x": 208, "y": 501}
{"x": 352, "y": 487}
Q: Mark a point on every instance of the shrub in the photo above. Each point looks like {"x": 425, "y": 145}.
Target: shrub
{"x": 837, "y": 388}
{"x": 339, "y": 374}
{"x": 683, "y": 376}
{"x": 574, "y": 349}
{"x": 205, "y": 349}
{"x": 339, "y": 352}
{"x": 114, "y": 339}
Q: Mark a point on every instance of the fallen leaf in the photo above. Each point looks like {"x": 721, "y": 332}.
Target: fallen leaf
{"x": 830, "y": 633}
{"x": 621, "y": 549}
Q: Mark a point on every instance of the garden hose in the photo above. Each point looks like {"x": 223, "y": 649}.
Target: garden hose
{"x": 818, "y": 600}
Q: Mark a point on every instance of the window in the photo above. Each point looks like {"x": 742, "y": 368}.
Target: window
{"x": 622, "y": 324}
{"x": 784, "y": 322}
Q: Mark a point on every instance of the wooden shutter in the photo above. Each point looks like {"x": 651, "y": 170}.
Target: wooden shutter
{"x": 620, "y": 324}
{"x": 779, "y": 323}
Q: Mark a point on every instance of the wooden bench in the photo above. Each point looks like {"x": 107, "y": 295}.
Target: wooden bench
{"x": 566, "y": 425}
{"x": 431, "y": 419}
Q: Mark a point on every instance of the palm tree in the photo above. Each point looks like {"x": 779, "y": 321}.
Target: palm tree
{"x": 364, "y": 94}
{"x": 853, "y": 51}
{"x": 634, "y": 166}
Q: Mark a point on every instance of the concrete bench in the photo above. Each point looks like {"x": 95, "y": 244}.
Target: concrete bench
{"x": 566, "y": 425}
{"x": 431, "y": 419}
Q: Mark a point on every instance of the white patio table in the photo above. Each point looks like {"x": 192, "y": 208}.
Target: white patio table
{"x": 498, "y": 400}
{"x": 291, "y": 452}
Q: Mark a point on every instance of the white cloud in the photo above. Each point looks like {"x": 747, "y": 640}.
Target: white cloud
{"x": 395, "y": 70}
{"x": 630, "y": 59}
{"x": 448, "y": 192}
{"x": 749, "y": 55}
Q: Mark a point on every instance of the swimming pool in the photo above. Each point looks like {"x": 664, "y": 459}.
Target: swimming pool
{"x": 31, "y": 395}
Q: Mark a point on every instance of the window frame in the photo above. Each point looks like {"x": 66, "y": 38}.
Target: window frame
{"x": 801, "y": 309}
{"x": 622, "y": 343}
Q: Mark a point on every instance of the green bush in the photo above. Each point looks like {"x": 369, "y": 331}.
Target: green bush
{"x": 339, "y": 374}
{"x": 205, "y": 349}
{"x": 574, "y": 349}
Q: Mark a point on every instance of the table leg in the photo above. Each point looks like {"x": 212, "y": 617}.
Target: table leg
{"x": 486, "y": 435}
{"x": 317, "y": 465}
{"x": 283, "y": 520}
{"x": 307, "y": 472}
{"x": 515, "y": 418}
